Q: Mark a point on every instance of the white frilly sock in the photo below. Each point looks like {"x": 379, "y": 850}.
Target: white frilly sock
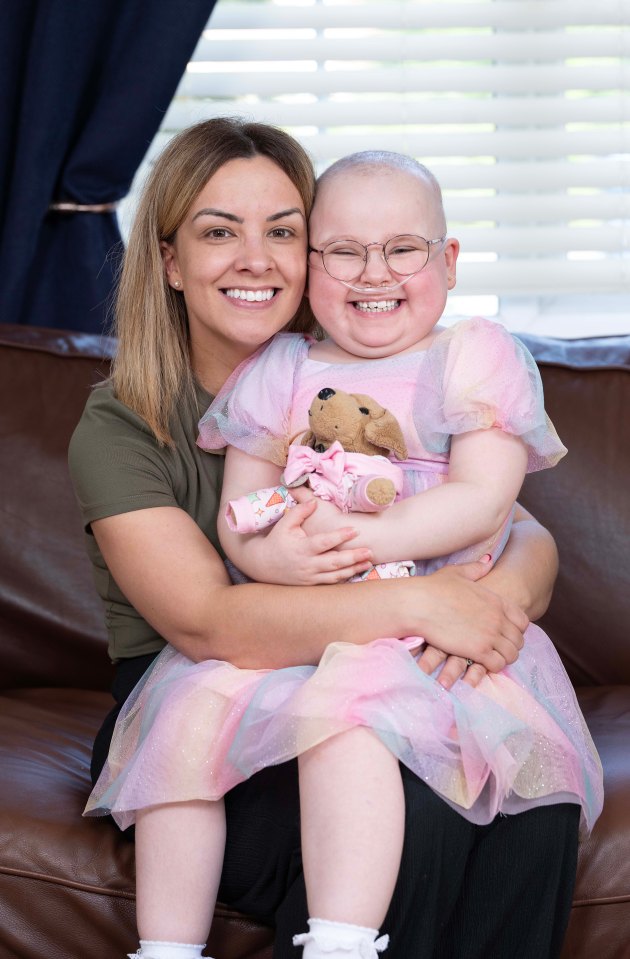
{"x": 166, "y": 950}
{"x": 339, "y": 940}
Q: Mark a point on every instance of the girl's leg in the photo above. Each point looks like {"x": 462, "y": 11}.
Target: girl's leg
{"x": 353, "y": 820}
{"x": 450, "y": 897}
{"x": 435, "y": 853}
{"x": 179, "y": 856}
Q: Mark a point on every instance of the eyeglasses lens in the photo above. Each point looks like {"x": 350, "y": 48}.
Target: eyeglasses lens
{"x": 346, "y": 259}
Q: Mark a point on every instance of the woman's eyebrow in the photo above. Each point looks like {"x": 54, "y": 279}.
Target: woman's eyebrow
{"x": 210, "y": 211}
{"x": 283, "y": 213}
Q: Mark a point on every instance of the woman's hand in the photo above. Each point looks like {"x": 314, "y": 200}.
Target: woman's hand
{"x": 453, "y": 667}
{"x": 462, "y": 618}
{"x": 288, "y": 556}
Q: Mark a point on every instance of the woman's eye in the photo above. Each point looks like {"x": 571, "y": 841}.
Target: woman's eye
{"x": 218, "y": 233}
{"x": 281, "y": 233}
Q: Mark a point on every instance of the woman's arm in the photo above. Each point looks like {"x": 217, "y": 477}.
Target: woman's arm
{"x": 171, "y": 574}
{"x": 524, "y": 575}
{"x": 526, "y": 571}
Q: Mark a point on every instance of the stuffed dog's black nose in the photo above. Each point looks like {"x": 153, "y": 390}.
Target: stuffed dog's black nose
{"x": 325, "y": 394}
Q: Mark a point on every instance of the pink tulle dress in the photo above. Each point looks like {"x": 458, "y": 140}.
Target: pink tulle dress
{"x": 194, "y": 730}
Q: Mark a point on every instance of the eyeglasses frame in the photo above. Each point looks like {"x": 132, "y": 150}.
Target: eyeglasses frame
{"x": 366, "y": 247}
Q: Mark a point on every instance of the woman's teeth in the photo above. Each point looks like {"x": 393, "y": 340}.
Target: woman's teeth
{"x": 250, "y": 295}
{"x": 376, "y": 306}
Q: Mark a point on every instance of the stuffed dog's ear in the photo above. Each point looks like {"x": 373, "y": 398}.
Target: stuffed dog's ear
{"x": 386, "y": 432}
{"x": 382, "y": 428}
{"x": 305, "y": 439}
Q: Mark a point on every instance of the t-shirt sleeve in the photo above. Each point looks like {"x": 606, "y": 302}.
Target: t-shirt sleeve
{"x": 478, "y": 376}
{"x": 115, "y": 462}
{"x": 252, "y": 410}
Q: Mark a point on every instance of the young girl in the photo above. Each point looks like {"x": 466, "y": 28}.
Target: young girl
{"x": 469, "y": 403}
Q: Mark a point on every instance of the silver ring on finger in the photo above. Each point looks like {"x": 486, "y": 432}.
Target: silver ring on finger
{"x": 470, "y": 662}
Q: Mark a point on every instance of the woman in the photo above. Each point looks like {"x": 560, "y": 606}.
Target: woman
{"x": 229, "y": 202}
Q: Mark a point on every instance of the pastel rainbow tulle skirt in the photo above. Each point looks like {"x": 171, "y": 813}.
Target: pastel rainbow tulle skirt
{"x": 194, "y": 730}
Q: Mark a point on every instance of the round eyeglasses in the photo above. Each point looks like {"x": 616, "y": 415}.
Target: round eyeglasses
{"x": 406, "y": 255}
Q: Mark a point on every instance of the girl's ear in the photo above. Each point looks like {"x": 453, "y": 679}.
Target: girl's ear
{"x": 451, "y": 252}
{"x": 171, "y": 269}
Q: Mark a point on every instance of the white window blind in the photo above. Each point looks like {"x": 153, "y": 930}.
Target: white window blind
{"x": 522, "y": 110}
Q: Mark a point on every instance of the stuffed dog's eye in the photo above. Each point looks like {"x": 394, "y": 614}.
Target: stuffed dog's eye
{"x": 364, "y": 410}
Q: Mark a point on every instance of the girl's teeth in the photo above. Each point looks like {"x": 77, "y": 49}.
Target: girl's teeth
{"x": 250, "y": 295}
{"x": 377, "y": 306}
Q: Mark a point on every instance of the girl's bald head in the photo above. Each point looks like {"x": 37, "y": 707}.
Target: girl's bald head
{"x": 377, "y": 162}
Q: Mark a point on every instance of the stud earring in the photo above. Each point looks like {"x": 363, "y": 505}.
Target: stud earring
{"x": 177, "y": 284}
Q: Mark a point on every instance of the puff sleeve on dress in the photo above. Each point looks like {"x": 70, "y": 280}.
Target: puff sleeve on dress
{"x": 252, "y": 409}
{"x": 478, "y": 376}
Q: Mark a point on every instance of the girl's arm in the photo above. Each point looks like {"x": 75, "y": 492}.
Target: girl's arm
{"x": 486, "y": 471}
{"x": 171, "y": 574}
{"x": 284, "y": 553}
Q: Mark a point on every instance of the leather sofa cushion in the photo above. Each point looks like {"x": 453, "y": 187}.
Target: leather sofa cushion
{"x": 68, "y": 877}
{"x": 599, "y": 919}
{"x": 87, "y": 867}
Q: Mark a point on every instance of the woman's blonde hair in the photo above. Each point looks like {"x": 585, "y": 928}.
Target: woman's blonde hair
{"x": 152, "y": 367}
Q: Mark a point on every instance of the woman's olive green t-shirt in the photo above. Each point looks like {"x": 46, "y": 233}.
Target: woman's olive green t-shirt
{"x": 117, "y": 466}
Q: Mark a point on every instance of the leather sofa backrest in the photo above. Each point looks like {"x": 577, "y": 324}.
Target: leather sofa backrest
{"x": 51, "y": 620}
{"x": 585, "y": 502}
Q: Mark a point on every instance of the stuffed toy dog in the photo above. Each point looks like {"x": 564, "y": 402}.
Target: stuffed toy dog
{"x": 356, "y": 421}
{"x": 342, "y": 457}
{"x": 349, "y": 427}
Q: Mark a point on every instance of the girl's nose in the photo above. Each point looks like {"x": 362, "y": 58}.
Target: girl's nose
{"x": 376, "y": 269}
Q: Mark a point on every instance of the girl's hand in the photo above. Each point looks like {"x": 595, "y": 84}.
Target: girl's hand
{"x": 291, "y": 557}
{"x": 326, "y": 518}
{"x": 453, "y": 667}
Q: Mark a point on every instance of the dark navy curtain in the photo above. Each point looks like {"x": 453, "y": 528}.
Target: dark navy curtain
{"x": 84, "y": 85}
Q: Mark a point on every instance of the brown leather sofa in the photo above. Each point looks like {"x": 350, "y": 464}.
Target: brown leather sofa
{"x": 66, "y": 882}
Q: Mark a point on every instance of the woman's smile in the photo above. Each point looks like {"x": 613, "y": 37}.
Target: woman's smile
{"x": 251, "y": 296}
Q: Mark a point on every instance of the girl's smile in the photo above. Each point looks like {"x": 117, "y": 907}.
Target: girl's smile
{"x": 376, "y": 306}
